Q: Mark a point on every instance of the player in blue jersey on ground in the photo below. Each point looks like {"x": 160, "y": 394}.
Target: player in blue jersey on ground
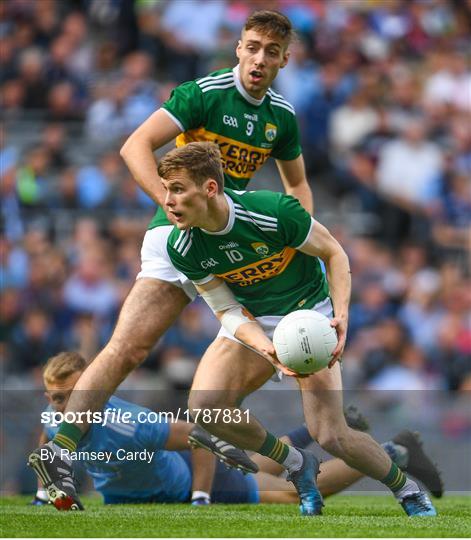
{"x": 164, "y": 470}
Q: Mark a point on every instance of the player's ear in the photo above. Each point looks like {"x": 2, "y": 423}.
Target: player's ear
{"x": 48, "y": 397}
{"x": 238, "y": 48}
{"x": 285, "y": 58}
{"x": 211, "y": 188}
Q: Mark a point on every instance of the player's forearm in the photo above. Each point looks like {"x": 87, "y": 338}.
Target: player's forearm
{"x": 303, "y": 193}
{"x": 234, "y": 317}
{"x": 141, "y": 162}
{"x": 178, "y": 436}
{"x": 340, "y": 282}
{"x": 253, "y": 336}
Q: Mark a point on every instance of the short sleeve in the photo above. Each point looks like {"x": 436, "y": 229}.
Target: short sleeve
{"x": 50, "y": 432}
{"x": 153, "y": 435}
{"x": 294, "y": 222}
{"x": 182, "y": 257}
{"x": 186, "y": 105}
{"x": 288, "y": 146}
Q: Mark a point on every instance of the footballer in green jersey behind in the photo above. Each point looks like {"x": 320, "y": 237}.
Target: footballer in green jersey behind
{"x": 218, "y": 109}
{"x": 256, "y": 254}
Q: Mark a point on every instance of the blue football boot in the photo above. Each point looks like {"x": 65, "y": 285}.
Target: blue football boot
{"x": 304, "y": 481}
{"x": 418, "y": 505}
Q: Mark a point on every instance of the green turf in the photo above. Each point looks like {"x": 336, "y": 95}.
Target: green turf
{"x": 345, "y": 516}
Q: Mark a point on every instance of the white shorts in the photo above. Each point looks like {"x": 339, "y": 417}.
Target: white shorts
{"x": 269, "y": 322}
{"x": 155, "y": 261}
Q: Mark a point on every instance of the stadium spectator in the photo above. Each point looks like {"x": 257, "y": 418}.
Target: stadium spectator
{"x": 330, "y": 89}
{"x": 32, "y": 77}
{"x": 90, "y": 288}
{"x": 33, "y": 341}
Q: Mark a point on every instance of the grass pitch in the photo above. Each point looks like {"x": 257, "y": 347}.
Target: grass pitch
{"x": 344, "y": 516}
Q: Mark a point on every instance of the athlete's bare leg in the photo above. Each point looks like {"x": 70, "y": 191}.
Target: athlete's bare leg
{"x": 227, "y": 373}
{"x": 273, "y": 489}
{"x": 323, "y": 412}
{"x": 334, "y": 475}
{"x": 150, "y": 308}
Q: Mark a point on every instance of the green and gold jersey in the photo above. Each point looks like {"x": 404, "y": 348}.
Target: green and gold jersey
{"x": 255, "y": 254}
{"x": 248, "y": 131}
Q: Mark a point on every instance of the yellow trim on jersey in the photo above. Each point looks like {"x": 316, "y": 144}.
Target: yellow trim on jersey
{"x": 260, "y": 270}
{"x": 239, "y": 160}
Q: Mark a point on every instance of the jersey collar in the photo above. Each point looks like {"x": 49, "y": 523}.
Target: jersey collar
{"x": 243, "y": 91}
{"x": 230, "y": 221}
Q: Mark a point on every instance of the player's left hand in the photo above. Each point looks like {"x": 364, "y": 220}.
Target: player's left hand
{"x": 340, "y": 324}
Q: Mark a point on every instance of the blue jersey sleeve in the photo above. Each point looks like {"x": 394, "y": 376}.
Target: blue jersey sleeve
{"x": 48, "y": 428}
{"x": 153, "y": 435}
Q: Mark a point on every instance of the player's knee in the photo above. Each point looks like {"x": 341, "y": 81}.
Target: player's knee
{"x": 330, "y": 442}
{"x": 336, "y": 443}
{"x": 201, "y": 402}
{"x": 326, "y": 438}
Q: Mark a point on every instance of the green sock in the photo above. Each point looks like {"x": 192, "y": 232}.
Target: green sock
{"x": 395, "y": 479}
{"x": 68, "y": 436}
{"x": 274, "y": 448}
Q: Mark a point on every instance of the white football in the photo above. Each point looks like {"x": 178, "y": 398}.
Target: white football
{"x": 304, "y": 341}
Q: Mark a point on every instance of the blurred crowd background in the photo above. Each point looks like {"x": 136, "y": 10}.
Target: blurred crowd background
{"x": 382, "y": 90}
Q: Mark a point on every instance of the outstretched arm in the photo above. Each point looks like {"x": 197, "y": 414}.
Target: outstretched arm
{"x": 138, "y": 152}
{"x": 293, "y": 176}
{"x": 322, "y": 244}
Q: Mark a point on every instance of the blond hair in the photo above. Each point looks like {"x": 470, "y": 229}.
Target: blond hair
{"x": 201, "y": 160}
{"x": 62, "y": 366}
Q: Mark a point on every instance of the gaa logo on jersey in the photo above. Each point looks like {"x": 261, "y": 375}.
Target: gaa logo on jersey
{"x": 270, "y": 132}
{"x": 260, "y": 248}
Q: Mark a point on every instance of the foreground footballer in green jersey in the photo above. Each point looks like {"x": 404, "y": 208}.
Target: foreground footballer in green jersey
{"x": 255, "y": 254}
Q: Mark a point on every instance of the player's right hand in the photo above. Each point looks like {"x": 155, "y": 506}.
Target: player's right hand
{"x": 273, "y": 359}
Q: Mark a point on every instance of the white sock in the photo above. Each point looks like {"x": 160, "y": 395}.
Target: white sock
{"x": 408, "y": 488}
{"x": 200, "y": 495}
{"x": 42, "y": 495}
{"x": 294, "y": 460}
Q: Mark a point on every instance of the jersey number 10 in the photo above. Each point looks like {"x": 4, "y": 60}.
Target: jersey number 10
{"x": 233, "y": 255}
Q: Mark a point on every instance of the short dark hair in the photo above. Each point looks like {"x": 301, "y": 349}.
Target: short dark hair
{"x": 201, "y": 160}
{"x": 272, "y": 23}
{"x": 62, "y": 366}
